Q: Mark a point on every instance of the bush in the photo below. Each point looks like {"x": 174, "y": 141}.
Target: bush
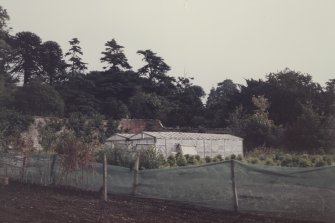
{"x": 232, "y": 156}
{"x": 192, "y": 160}
{"x": 254, "y": 160}
{"x": 304, "y": 162}
{"x": 180, "y": 159}
{"x": 171, "y": 160}
{"x": 74, "y": 153}
{"x": 47, "y": 136}
{"x": 208, "y": 159}
{"x": 12, "y": 124}
{"x": 39, "y": 99}
{"x": 287, "y": 160}
{"x": 320, "y": 163}
{"x": 269, "y": 162}
{"x": 219, "y": 157}
{"x": 151, "y": 158}
{"x": 239, "y": 157}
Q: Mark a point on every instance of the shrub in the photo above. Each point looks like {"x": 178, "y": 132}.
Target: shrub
{"x": 192, "y": 160}
{"x": 320, "y": 163}
{"x": 232, "y": 156}
{"x": 287, "y": 160}
{"x": 39, "y": 99}
{"x": 208, "y": 159}
{"x": 304, "y": 162}
{"x": 12, "y": 124}
{"x": 239, "y": 157}
{"x": 47, "y": 136}
{"x": 197, "y": 157}
{"x": 74, "y": 153}
{"x": 180, "y": 159}
{"x": 151, "y": 158}
{"x": 219, "y": 157}
{"x": 171, "y": 160}
{"x": 254, "y": 160}
{"x": 269, "y": 162}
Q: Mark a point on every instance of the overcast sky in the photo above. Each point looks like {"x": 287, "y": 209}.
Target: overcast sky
{"x": 210, "y": 39}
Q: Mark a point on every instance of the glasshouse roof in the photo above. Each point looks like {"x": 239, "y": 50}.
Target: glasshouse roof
{"x": 119, "y": 136}
{"x": 186, "y": 136}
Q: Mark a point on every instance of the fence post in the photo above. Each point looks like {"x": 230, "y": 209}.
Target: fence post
{"x": 6, "y": 164}
{"x": 104, "y": 188}
{"x": 136, "y": 167}
{"x": 235, "y": 198}
{"x": 52, "y": 169}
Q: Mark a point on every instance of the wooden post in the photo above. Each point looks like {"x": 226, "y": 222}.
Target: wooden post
{"x": 52, "y": 169}
{"x": 235, "y": 198}
{"x": 136, "y": 168}
{"x": 6, "y": 170}
{"x": 104, "y": 187}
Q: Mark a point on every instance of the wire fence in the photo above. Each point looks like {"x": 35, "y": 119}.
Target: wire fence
{"x": 301, "y": 193}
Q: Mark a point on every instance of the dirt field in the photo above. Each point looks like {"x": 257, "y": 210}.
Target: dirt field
{"x": 27, "y": 203}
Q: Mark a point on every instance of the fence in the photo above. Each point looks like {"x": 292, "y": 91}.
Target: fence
{"x": 302, "y": 193}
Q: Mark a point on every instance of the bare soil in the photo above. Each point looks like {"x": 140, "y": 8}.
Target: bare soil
{"x": 31, "y": 203}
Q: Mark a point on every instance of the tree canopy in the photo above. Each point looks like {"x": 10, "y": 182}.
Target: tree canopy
{"x": 284, "y": 109}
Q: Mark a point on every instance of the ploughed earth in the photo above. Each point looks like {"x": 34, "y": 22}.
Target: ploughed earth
{"x": 31, "y": 203}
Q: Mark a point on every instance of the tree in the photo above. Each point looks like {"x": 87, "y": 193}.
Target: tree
{"x": 288, "y": 90}
{"x": 114, "y": 57}
{"x": 40, "y": 99}
{"x": 52, "y": 62}
{"x": 78, "y": 95}
{"x": 329, "y": 98}
{"x": 4, "y": 17}
{"x": 221, "y": 101}
{"x": 259, "y": 128}
{"x": 76, "y": 63}
{"x": 306, "y": 133}
{"x": 25, "y": 56}
{"x": 186, "y": 107}
{"x": 155, "y": 68}
{"x": 4, "y": 47}
{"x": 149, "y": 106}
{"x": 256, "y": 129}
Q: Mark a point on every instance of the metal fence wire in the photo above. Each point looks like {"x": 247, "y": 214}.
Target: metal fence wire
{"x": 301, "y": 193}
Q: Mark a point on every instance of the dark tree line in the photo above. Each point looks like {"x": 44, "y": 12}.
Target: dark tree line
{"x": 286, "y": 109}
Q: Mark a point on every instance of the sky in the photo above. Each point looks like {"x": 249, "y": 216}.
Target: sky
{"x": 210, "y": 40}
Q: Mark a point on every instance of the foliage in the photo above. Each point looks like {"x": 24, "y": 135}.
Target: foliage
{"x": 12, "y": 124}
{"x": 276, "y": 157}
{"x": 87, "y": 129}
{"x": 49, "y": 133}
{"x": 155, "y": 68}
{"x": 306, "y": 133}
{"x": 219, "y": 102}
{"x": 40, "y": 99}
{"x": 151, "y": 158}
{"x": 285, "y": 109}
{"x": 114, "y": 56}
{"x": 74, "y": 153}
{"x": 76, "y": 64}
{"x": 117, "y": 155}
{"x": 25, "y": 57}
{"x": 52, "y": 61}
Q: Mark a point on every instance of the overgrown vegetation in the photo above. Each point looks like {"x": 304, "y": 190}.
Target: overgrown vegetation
{"x": 286, "y": 109}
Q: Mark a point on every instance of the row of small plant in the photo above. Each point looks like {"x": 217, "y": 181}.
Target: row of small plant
{"x": 151, "y": 158}
{"x": 291, "y": 160}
